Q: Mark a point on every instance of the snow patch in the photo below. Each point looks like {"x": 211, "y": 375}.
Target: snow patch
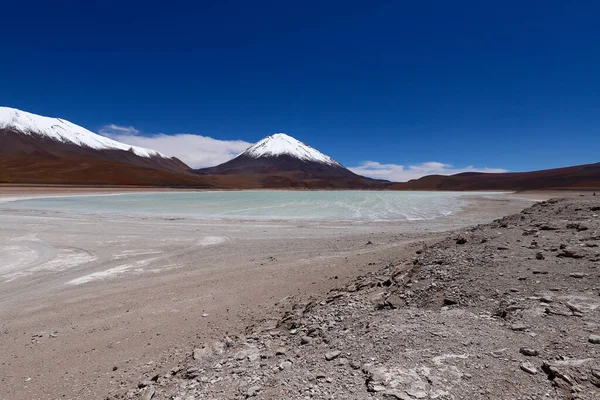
{"x": 282, "y": 144}
{"x": 65, "y": 131}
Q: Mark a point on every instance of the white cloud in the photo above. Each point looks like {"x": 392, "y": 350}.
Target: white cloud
{"x": 195, "y": 150}
{"x": 403, "y": 173}
{"x": 113, "y": 129}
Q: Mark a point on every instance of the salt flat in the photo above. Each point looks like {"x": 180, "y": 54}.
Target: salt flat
{"x": 89, "y": 302}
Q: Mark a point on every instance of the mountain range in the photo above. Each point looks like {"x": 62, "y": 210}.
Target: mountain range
{"x": 42, "y": 150}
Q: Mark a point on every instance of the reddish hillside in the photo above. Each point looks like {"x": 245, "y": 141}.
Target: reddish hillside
{"x": 580, "y": 177}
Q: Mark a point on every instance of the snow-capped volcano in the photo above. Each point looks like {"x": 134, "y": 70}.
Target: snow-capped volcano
{"x": 64, "y": 131}
{"x": 281, "y": 161}
{"x": 281, "y": 144}
{"x": 37, "y": 149}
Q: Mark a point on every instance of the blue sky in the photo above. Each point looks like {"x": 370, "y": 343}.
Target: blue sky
{"x": 415, "y": 86}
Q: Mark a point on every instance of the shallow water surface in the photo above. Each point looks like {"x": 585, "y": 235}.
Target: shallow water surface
{"x": 262, "y": 205}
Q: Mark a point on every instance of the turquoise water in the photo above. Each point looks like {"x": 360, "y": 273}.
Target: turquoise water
{"x": 261, "y": 205}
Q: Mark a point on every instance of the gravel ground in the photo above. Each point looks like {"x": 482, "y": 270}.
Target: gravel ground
{"x": 505, "y": 310}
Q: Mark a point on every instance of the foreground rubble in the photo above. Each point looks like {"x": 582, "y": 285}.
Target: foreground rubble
{"x": 507, "y": 310}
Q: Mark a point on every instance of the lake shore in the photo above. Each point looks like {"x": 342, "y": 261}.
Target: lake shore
{"x": 91, "y": 303}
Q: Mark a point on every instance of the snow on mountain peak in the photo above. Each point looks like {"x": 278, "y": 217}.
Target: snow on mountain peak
{"x": 64, "y": 131}
{"x": 282, "y": 144}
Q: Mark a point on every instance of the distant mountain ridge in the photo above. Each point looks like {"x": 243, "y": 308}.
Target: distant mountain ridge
{"x": 579, "y": 177}
{"x": 43, "y": 150}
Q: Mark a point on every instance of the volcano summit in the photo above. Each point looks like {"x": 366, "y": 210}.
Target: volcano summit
{"x": 280, "y": 160}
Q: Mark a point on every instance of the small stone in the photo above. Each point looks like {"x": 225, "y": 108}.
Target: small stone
{"x": 280, "y": 351}
{"x": 321, "y": 375}
{"x": 539, "y": 256}
{"x": 253, "y": 391}
{"x": 595, "y": 339}
{"x": 450, "y": 301}
{"x": 332, "y": 355}
{"x": 306, "y": 340}
{"x": 148, "y": 393}
{"x": 529, "y": 368}
{"x": 528, "y": 352}
{"x": 115, "y": 368}
{"x": 577, "y": 275}
{"x": 518, "y": 327}
{"x": 417, "y": 394}
{"x": 200, "y": 353}
{"x": 144, "y": 384}
{"x": 546, "y": 299}
{"x": 285, "y": 365}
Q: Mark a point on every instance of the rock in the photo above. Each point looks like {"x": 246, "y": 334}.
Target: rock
{"x": 528, "y": 352}
{"x": 578, "y": 275}
{"x": 396, "y": 394}
{"x": 595, "y": 339}
{"x": 570, "y": 254}
{"x": 450, "y": 301}
{"x": 576, "y": 309}
{"x": 200, "y": 353}
{"x": 144, "y": 384}
{"x": 321, "y": 375}
{"x": 332, "y": 355}
{"x": 417, "y": 394}
{"x": 578, "y": 227}
{"x": 529, "y": 368}
{"x": 253, "y": 391}
{"x": 395, "y": 301}
{"x": 518, "y": 327}
{"x": 306, "y": 340}
{"x": 461, "y": 240}
{"x": 285, "y": 365}
{"x": 280, "y": 351}
{"x": 546, "y": 299}
{"x": 148, "y": 393}
{"x": 539, "y": 256}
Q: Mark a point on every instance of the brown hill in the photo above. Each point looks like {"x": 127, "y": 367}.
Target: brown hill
{"x": 580, "y": 177}
{"x": 34, "y": 158}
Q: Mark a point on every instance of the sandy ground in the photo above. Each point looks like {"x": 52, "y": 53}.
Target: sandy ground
{"x": 89, "y": 303}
